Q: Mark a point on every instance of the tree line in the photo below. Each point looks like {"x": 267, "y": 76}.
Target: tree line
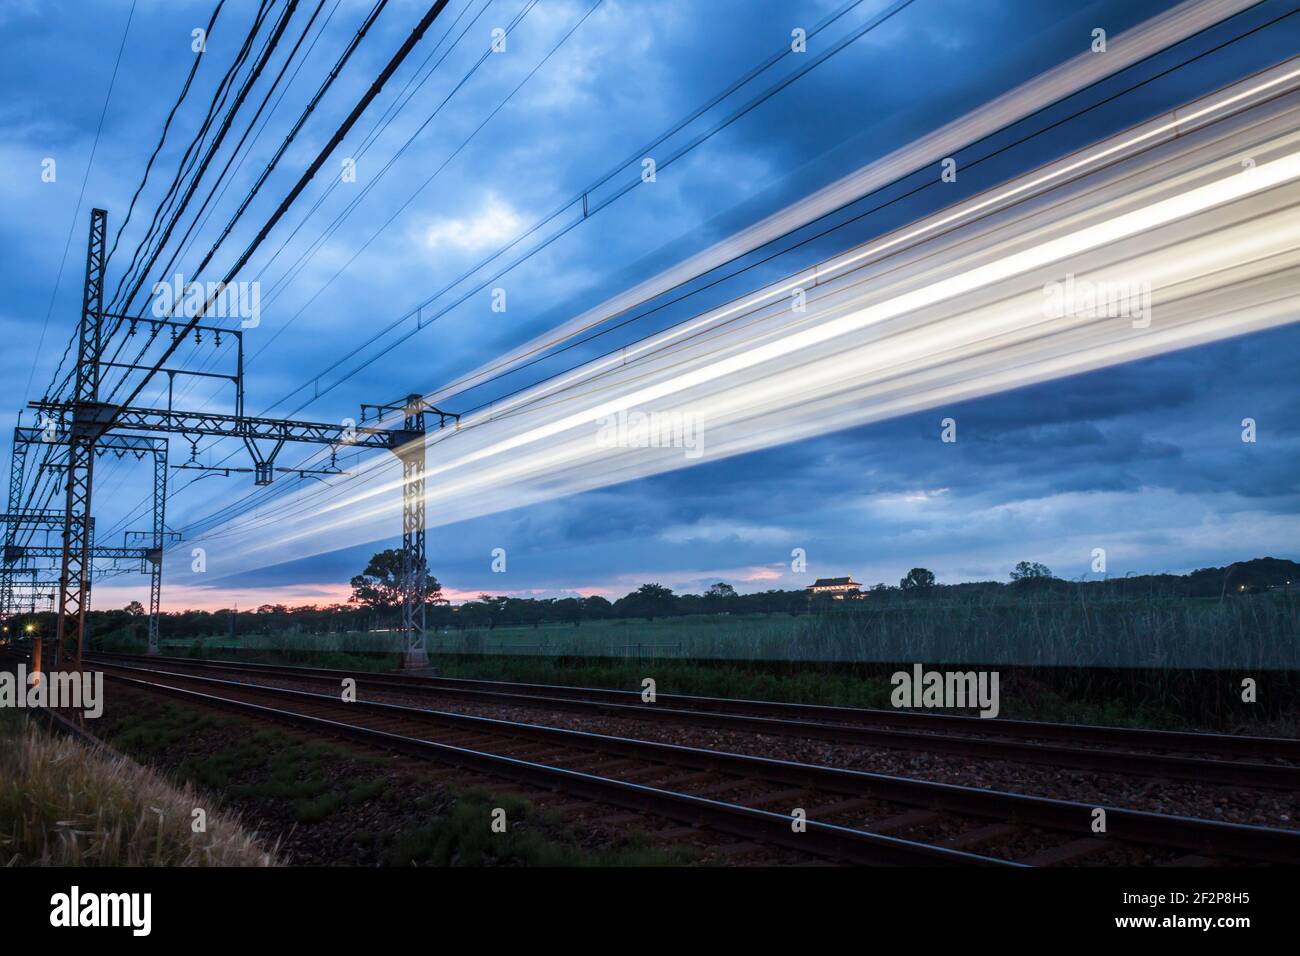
{"x": 375, "y": 602}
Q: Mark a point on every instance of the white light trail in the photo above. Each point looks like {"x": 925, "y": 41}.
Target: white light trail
{"x": 1146, "y": 39}
{"x": 946, "y": 309}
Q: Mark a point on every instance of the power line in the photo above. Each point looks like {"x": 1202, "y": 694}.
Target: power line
{"x": 298, "y": 187}
{"x": 50, "y": 389}
{"x": 677, "y": 127}
{"x": 577, "y": 199}
{"x": 76, "y": 211}
{"x": 373, "y": 90}
{"x": 116, "y": 303}
{"x": 266, "y": 172}
{"x": 162, "y": 138}
{"x": 227, "y": 514}
{"x": 224, "y": 186}
{"x": 268, "y": 49}
{"x": 292, "y": 271}
{"x": 381, "y": 123}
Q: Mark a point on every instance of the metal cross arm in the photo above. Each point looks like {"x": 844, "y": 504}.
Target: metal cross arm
{"x": 98, "y": 551}
{"x": 42, "y": 519}
{"x": 137, "y": 445}
{"x": 215, "y": 425}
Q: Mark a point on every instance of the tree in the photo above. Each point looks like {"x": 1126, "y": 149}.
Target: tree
{"x": 1028, "y": 570}
{"x": 379, "y": 587}
{"x": 720, "y": 597}
{"x": 492, "y": 609}
{"x": 918, "y": 581}
{"x": 596, "y": 607}
{"x": 569, "y": 610}
{"x": 648, "y": 601}
{"x": 135, "y": 609}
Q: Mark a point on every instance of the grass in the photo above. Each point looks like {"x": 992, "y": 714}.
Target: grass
{"x": 462, "y": 836}
{"x": 1053, "y": 629}
{"x": 1257, "y": 631}
{"x": 1171, "y": 699}
{"x": 1145, "y": 660}
{"x": 695, "y": 635}
{"x": 64, "y": 804}
{"x": 720, "y": 679}
{"x": 318, "y": 792}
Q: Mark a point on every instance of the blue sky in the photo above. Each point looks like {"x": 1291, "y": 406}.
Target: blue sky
{"x": 1143, "y": 459}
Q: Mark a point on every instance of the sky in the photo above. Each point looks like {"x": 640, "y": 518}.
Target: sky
{"x": 1144, "y": 460}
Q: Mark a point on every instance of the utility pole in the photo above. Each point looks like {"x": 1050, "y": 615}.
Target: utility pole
{"x": 86, "y": 427}
{"x": 87, "y": 419}
{"x": 16, "y": 469}
{"x": 149, "y": 544}
{"x": 414, "y": 559}
{"x": 408, "y": 446}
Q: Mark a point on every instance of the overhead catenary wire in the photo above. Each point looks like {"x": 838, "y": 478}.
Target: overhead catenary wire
{"x": 699, "y": 111}
{"x": 380, "y": 124}
{"x": 373, "y": 90}
{"x": 131, "y": 279}
{"x": 967, "y": 163}
{"x": 67, "y": 243}
{"x": 270, "y": 167}
{"x": 301, "y": 63}
{"x": 297, "y": 127}
{"x": 245, "y": 88}
{"x": 251, "y": 144}
{"x": 162, "y": 137}
{"x": 250, "y": 81}
{"x": 307, "y": 176}
{"x": 263, "y": 59}
{"x": 577, "y": 199}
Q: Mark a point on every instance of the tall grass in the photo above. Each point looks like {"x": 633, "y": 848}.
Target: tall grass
{"x": 64, "y": 804}
{"x": 1053, "y": 629}
{"x": 1254, "y": 631}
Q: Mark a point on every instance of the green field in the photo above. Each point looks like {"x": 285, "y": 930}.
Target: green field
{"x": 1254, "y": 631}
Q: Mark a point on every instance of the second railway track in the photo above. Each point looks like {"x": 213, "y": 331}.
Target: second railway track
{"x": 851, "y": 816}
{"x": 1258, "y": 762}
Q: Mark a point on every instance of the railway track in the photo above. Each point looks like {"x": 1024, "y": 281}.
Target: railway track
{"x": 851, "y": 816}
{"x": 1256, "y": 762}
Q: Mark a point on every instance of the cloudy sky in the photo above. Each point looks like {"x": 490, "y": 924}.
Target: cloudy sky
{"x": 464, "y": 151}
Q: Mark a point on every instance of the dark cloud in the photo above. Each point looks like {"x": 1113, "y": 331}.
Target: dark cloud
{"x": 1150, "y": 450}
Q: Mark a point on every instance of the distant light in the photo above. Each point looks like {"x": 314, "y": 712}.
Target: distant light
{"x": 29, "y": 628}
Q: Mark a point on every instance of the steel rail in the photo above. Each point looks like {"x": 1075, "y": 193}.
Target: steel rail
{"x": 1136, "y": 826}
{"x": 822, "y": 839}
{"x": 847, "y": 724}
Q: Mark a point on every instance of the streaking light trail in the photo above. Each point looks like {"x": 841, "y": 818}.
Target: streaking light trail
{"x": 1192, "y": 217}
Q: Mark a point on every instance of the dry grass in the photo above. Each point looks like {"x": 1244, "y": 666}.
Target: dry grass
{"x": 64, "y": 804}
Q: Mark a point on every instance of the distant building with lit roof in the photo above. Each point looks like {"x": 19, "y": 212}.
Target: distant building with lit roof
{"x": 836, "y": 588}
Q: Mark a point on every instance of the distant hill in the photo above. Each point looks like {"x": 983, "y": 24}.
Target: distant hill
{"x": 1256, "y": 574}
{"x": 1253, "y": 576}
